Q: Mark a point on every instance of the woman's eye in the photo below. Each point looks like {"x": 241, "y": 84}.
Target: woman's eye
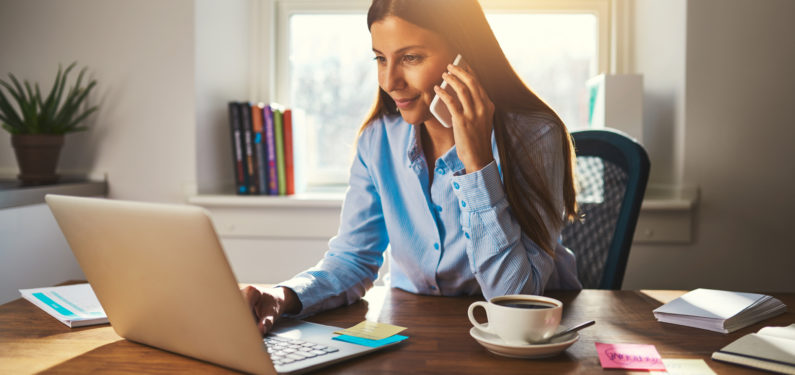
{"x": 412, "y": 58}
{"x": 379, "y": 59}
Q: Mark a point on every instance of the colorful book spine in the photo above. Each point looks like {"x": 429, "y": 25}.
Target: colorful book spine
{"x": 249, "y": 147}
{"x": 259, "y": 148}
{"x": 278, "y": 126}
{"x": 288, "y": 152}
{"x": 270, "y": 141}
{"x": 241, "y": 181}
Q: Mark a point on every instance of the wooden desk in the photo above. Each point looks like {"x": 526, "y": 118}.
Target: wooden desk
{"x": 31, "y": 341}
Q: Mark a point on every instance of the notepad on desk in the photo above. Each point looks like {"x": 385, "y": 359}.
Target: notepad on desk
{"x": 772, "y": 349}
{"x": 73, "y": 305}
{"x": 719, "y": 310}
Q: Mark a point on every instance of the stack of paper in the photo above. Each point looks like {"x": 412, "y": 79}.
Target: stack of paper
{"x": 73, "y": 305}
{"x": 772, "y": 349}
{"x": 371, "y": 334}
{"x": 719, "y": 310}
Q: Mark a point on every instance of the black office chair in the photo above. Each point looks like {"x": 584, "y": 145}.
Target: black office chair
{"x": 612, "y": 171}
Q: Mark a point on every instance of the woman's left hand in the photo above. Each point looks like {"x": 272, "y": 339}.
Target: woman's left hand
{"x": 473, "y": 117}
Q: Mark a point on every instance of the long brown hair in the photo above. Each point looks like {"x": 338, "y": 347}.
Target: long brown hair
{"x": 464, "y": 26}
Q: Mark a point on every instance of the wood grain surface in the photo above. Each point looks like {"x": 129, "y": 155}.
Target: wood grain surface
{"x": 33, "y": 342}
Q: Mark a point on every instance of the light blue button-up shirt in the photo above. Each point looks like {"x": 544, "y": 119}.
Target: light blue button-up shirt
{"x": 456, "y": 236}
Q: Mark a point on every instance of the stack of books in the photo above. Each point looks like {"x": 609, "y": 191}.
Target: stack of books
{"x": 262, "y": 147}
{"x": 719, "y": 310}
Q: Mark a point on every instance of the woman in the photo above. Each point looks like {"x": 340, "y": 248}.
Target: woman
{"x": 476, "y": 208}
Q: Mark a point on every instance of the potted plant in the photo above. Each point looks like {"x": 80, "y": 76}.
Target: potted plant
{"x": 37, "y": 124}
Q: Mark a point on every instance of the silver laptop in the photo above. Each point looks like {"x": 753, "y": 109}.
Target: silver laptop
{"x": 161, "y": 276}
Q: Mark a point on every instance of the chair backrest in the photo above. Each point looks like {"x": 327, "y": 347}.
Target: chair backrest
{"x": 611, "y": 171}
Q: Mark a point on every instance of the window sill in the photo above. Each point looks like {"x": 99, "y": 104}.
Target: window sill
{"x": 298, "y": 217}
{"x": 306, "y": 200}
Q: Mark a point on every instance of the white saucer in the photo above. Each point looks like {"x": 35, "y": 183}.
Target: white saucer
{"x": 530, "y": 351}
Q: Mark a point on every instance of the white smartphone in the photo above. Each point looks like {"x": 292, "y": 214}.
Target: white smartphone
{"x": 438, "y": 108}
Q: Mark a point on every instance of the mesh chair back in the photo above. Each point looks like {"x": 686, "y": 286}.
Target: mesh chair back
{"x": 611, "y": 172}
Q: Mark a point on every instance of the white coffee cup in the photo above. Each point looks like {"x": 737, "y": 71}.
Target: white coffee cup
{"x": 519, "y": 319}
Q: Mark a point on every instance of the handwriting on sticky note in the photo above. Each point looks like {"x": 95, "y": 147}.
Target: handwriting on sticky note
{"x": 682, "y": 366}
{"x": 629, "y": 356}
{"x": 371, "y": 330}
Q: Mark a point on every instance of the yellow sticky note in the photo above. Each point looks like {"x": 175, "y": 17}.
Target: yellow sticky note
{"x": 682, "y": 366}
{"x": 371, "y": 330}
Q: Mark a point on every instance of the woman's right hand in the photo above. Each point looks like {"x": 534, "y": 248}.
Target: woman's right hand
{"x": 269, "y": 304}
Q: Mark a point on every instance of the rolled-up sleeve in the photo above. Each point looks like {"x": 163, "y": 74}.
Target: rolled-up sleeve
{"x": 350, "y": 266}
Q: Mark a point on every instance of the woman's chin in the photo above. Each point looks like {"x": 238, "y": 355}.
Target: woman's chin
{"x": 413, "y": 117}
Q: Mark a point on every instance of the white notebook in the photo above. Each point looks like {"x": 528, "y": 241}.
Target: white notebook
{"x": 772, "y": 349}
{"x": 719, "y": 310}
{"x": 73, "y": 305}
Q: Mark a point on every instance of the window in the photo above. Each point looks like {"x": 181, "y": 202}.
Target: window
{"x": 332, "y": 83}
{"x": 554, "y": 54}
{"x": 324, "y": 68}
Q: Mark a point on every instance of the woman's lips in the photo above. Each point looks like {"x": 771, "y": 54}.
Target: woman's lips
{"x": 405, "y": 102}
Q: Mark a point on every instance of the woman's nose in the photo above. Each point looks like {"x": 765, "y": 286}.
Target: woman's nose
{"x": 392, "y": 78}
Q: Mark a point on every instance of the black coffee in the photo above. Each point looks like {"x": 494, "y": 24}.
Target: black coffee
{"x": 522, "y": 304}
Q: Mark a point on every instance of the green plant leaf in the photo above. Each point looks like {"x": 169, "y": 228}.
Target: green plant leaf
{"x": 61, "y": 86}
{"x": 20, "y": 92}
{"x": 58, "y": 113}
{"x": 28, "y": 116}
{"x": 73, "y": 125}
{"x": 10, "y": 114}
{"x": 10, "y": 129}
{"x": 30, "y": 93}
{"x": 51, "y": 101}
{"x": 13, "y": 92}
{"x": 38, "y": 95}
{"x": 11, "y": 121}
{"x": 73, "y": 102}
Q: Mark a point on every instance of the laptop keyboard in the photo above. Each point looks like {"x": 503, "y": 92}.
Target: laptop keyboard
{"x": 285, "y": 350}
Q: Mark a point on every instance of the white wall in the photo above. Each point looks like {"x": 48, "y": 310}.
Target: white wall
{"x": 658, "y": 53}
{"x": 223, "y": 41}
{"x": 33, "y": 252}
{"x": 736, "y": 140}
{"x": 142, "y": 55}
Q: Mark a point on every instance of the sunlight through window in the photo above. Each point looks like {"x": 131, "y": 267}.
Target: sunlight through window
{"x": 332, "y": 78}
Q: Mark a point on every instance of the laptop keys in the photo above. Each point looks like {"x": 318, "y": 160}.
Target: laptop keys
{"x": 285, "y": 350}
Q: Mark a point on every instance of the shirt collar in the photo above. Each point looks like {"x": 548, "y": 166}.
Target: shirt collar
{"x": 414, "y": 149}
{"x": 450, "y": 158}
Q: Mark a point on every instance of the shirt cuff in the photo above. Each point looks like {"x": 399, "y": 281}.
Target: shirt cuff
{"x": 479, "y": 190}
{"x": 302, "y": 288}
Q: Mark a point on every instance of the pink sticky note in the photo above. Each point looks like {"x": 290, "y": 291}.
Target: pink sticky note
{"x": 629, "y": 356}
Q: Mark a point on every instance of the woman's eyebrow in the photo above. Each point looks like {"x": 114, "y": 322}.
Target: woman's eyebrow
{"x": 402, "y": 49}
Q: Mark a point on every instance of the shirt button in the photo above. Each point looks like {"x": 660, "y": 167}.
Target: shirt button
{"x": 440, "y": 170}
{"x": 463, "y": 204}
{"x": 433, "y": 287}
{"x": 466, "y": 234}
{"x": 436, "y": 246}
{"x": 455, "y": 185}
